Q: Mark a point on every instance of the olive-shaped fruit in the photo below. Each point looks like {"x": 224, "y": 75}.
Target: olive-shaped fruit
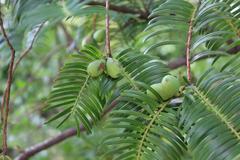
{"x": 87, "y": 40}
{"x": 157, "y": 87}
{"x": 99, "y": 35}
{"x": 113, "y": 68}
{"x": 170, "y": 87}
{"x": 96, "y": 68}
{"x": 2, "y": 157}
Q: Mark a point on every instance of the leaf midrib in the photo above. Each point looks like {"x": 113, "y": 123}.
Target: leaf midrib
{"x": 147, "y": 129}
{"x": 79, "y": 94}
{"x": 213, "y": 107}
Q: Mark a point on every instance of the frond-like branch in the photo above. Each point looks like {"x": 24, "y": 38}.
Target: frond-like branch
{"x": 206, "y": 27}
{"x": 210, "y": 117}
{"x": 145, "y": 129}
{"x": 76, "y": 92}
{"x": 213, "y": 108}
{"x": 142, "y": 68}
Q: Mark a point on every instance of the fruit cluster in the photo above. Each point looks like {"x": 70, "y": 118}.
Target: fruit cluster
{"x": 111, "y": 67}
{"x": 168, "y": 88}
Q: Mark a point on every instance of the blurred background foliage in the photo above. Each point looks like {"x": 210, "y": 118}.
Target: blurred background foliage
{"x": 65, "y": 25}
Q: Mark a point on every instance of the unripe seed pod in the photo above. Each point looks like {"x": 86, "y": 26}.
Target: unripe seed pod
{"x": 170, "y": 87}
{"x": 113, "y": 68}
{"x": 96, "y": 68}
{"x": 99, "y": 35}
{"x": 157, "y": 88}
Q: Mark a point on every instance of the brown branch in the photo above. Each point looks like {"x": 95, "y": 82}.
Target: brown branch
{"x": 31, "y": 151}
{"x": 188, "y": 48}
{"x": 6, "y": 95}
{"x": 26, "y": 51}
{"x": 68, "y": 36}
{"x": 123, "y": 9}
{"x": 181, "y": 61}
{"x": 189, "y": 39}
{"x": 108, "y": 45}
{"x": 70, "y": 40}
{"x": 2, "y": 106}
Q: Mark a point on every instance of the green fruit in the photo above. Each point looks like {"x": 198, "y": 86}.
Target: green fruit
{"x": 157, "y": 87}
{"x": 113, "y": 68}
{"x": 161, "y": 90}
{"x": 96, "y": 68}
{"x": 170, "y": 87}
{"x": 86, "y": 40}
{"x": 99, "y": 35}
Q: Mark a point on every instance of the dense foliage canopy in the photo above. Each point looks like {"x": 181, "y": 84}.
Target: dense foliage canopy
{"x": 160, "y": 81}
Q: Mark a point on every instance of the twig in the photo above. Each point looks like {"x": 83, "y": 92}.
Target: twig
{"x": 123, "y": 9}
{"x": 2, "y": 106}
{"x": 71, "y": 43}
{"x": 181, "y": 61}
{"x": 26, "y": 51}
{"x": 6, "y": 96}
{"x": 189, "y": 39}
{"x": 31, "y": 151}
{"x": 108, "y": 45}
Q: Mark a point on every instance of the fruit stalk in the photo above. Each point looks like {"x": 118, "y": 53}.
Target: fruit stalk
{"x": 107, "y": 45}
{"x": 188, "y": 46}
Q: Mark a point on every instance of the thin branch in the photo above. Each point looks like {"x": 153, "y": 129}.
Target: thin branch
{"x": 31, "y": 151}
{"x": 123, "y": 9}
{"x": 6, "y": 96}
{"x": 181, "y": 61}
{"x": 189, "y": 40}
{"x": 71, "y": 43}
{"x": 2, "y": 106}
{"x": 68, "y": 36}
{"x": 188, "y": 47}
{"x": 108, "y": 45}
{"x": 26, "y": 51}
